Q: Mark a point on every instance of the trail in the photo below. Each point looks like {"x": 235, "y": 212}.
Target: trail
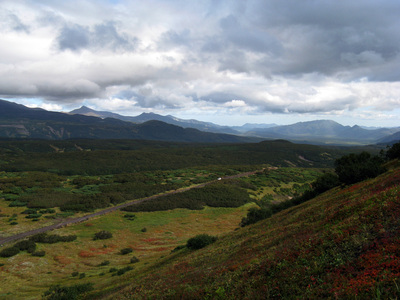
{"x": 111, "y": 209}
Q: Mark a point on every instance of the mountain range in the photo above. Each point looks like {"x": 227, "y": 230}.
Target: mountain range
{"x": 18, "y": 121}
{"x": 317, "y": 132}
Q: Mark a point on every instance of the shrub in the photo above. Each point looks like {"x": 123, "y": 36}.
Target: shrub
{"x": 67, "y": 292}
{"x": 126, "y": 251}
{"x": 39, "y": 253}
{"x": 104, "y": 263}
{"x": 51, "y": 238}
{"x": 8, "y": 252}
{"x": 27, "y": 245}
{"x": 393, "y": 152}
{"x": 254, "y": 215}
{"x": 354, "y": 168}
{"x": 200, "y": 241}
{"x": 102, "y": 235}
{"x": 134, "y": 260}
{"x": 74, "y": 274}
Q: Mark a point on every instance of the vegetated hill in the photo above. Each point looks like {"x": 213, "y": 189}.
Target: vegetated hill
{"x": 97, "y": 157}
{"x": 144, "y": 117}
{"x": 18, "y": 121}
{"x": 324, "y": 131}
{"x": 343, "y": 244}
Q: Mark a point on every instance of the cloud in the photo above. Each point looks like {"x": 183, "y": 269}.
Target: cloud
{"x": 252, "y": 57}
{"x": 102, "y": 36}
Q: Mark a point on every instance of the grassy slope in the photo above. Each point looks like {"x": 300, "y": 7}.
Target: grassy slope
{"x": 344, "y": 243}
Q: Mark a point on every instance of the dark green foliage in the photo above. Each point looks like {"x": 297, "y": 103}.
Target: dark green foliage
{"x": 104, "y": 263}
{"x": 74, "y": 274}
{"x": 112, "y": 270}
{"x": 130, "y": 217}
{"x": 17, "y": 203}
{"x": 126, "y": 251}
{"x": 325, "y": 182}
{"x": 51, "y": 238}
{"x": 82, "y": 275}
{"x": 39, "y": 253}
{"x": 86, "y": 203}
{"x": 26, "y": 245}
{"x": 8, "y": 252}
{"x": 215, "y": 195}
{"x": 134, "y": 260}
{"x": 144, "y": 229}
{"x": 102, "y": 235}
{"x": 67, "y": 292}
{"x": 178, "y": 248}
{"x": 354, "y": 168}
{"x": 129, "y": 156}
{"x": 200, "y": 241}
{"x": 256, "y": 214}
{"x": 393, "y": 152}
{"x": 124, "y": 270}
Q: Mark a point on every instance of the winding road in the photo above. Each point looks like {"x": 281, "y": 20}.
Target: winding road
{"x": 110, "y": 209}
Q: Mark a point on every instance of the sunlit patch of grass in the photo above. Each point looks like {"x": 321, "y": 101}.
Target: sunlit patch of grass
{"x": 25, "y": 276}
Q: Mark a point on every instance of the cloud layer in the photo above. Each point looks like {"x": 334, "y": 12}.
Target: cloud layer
{"x": 214, "y": 57}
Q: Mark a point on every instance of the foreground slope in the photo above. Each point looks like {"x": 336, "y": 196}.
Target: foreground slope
{"x": 344, "y": 243}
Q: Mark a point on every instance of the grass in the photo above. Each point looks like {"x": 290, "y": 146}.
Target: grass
{"x": 26, "y": 277}
{"x": 343, "y": 244}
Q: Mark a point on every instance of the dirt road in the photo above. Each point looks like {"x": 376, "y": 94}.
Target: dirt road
{"x": 67, "y": 222}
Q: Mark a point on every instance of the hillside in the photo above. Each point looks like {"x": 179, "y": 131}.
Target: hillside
{"x": 343, "y": 244}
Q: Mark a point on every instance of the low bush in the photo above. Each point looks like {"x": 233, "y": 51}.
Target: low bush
{"x": 67, "y": 292}
{"x": 126, "y": 251}
{"x": 39, "y": 253}
{"x": 200, "y": 241}
{"x": 8, "y": 252}
{"x": 102, "y": 235}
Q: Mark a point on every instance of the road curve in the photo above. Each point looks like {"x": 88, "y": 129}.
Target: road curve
{"x": 67, "y": 222}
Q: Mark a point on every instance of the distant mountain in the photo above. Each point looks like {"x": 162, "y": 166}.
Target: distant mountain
{"x": 251, "y": 126}
{"x": 18, "y": 121}
{"x": 144, "y": 117}
{"x": 391, "y": 139}
{"x": 324, "y": 131}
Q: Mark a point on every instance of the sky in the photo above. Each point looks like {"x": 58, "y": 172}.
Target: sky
{"x": 229, "y": 62}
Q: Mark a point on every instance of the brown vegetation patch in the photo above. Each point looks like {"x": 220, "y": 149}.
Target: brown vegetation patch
{"x": 62, "y": 259}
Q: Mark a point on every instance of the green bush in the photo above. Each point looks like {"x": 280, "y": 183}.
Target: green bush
{"x": 39, "y": 253}
{"x": 27, "y": 245}
{"x": 8, "y": 252}
{"x": 134, "y": 260}
{"x": 200, "y": 241}
{"x": 102, "y": 235}
{"x": 67, "y": 292}
{"x": 126, "y": 251}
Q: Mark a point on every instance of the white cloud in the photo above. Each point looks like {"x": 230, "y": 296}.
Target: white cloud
{"x": 239, "y": 57}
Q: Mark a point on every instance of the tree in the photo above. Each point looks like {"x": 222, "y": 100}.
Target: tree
{"x": 393, "y": 152}
{"x": 354, "y": 168}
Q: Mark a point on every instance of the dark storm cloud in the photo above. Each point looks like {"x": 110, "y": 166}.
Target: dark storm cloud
{"x": 75, "y": 37}
{"x": 321, "y": 36}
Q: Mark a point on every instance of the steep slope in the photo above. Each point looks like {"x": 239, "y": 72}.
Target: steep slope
{"x": 343, "y": 244}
